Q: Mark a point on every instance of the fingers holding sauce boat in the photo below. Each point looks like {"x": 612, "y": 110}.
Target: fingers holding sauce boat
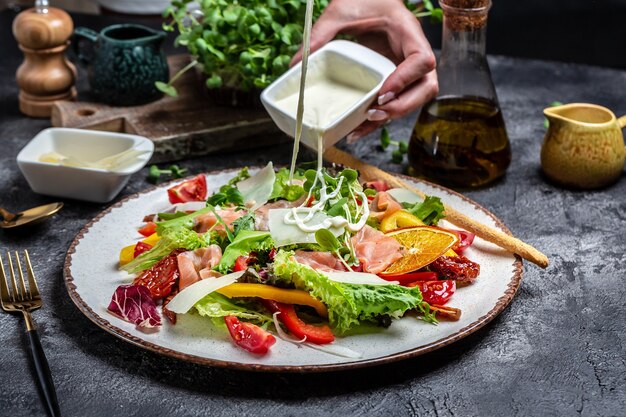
{"x": 389, "y": 28}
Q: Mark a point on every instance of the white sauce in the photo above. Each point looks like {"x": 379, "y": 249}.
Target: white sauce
{"x": 327, "y": 99}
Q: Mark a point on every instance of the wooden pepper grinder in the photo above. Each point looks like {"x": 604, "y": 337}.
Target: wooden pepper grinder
{"x": 46, "y": 75}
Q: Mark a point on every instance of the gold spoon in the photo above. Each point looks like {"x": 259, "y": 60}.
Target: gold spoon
{"x": 11, "y": 220}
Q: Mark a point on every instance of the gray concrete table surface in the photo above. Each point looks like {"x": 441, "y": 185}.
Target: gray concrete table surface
{"x": 558, "y": 349}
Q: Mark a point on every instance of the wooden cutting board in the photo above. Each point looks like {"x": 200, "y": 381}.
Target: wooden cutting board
{"x": 186, "y": 126}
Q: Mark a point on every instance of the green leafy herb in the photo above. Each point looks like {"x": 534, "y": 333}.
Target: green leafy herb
{"x": 228, "y": 193}
{"x": 245, "y": 44}
{"x": 283, "y": 189}
{"x": 546, "y": 122}
{"x": 245, "y": 242}
{"x": 337, "y": 208}
{"x": 425, "y": 8}
{"x": 245, "y": 222}
{"x": 327, "y": 240}
{"x": 397, "y": 156}
{"x": 174, "y": 171}
{"x": 430, "y": 211}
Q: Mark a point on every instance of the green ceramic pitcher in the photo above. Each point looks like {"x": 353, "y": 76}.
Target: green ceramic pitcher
{"x": 123, "y": 63}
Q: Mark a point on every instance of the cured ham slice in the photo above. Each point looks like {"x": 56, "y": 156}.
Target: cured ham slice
{"x": 383, "y": 205}
{"x": 374, "y": 250}
{"x": 261, "y": 215}
{"x": 195, "y": 265}
{"x": 204, "y": 222}
{"x": 320, "y": 261}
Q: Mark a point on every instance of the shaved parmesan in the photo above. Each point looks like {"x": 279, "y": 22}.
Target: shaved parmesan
{"x": 258, "y": 188}
{"x": 402, "y": 195}
{"x": 187, "y": 298}
{"x": 360, "y": 278}
{"x": 284, "y": 234}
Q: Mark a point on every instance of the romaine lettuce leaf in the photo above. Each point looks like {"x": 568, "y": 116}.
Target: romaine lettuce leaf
{"x": 245, "y": 242}
{"x": 348, "y": 304}
{"x": 217, "y": 306}
{"x": 171, "y": 238}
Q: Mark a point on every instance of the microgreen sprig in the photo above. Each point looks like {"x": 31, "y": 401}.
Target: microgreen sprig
{"x": 397, "y": 156}
{"x": 174, "y": 171}
{"x": 425, "y": 9}
{"x": 328, "y": 242}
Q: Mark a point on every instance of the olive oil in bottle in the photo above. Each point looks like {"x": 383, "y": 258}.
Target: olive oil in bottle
{"x": 459, "y": 138}
{"x": 460, "y": 141}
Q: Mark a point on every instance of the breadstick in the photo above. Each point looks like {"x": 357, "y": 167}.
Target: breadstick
{"x": 510, "y": 243}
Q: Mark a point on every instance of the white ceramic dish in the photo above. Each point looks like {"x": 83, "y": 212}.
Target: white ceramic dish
{"x": 346, "y": 62}
{"x": 92, "y": 275}
{"x": 88, "y": 184}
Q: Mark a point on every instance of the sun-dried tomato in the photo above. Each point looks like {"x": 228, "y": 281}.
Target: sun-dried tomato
{"x": 162, "y": 277}
{"x": 458, "y": 268}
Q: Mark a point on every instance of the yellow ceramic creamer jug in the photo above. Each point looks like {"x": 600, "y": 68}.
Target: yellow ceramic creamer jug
{"x": 584, "y": 146}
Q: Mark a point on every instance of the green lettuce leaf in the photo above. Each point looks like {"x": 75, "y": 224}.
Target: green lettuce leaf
{"x": 283, "y": 190}
{"x": 216, "y": 306}
{"x": 430, "y": 211}
{"x": 171, "y": 238}
{"x": 180, "y": 221}
{"x": 349, "y": 304}
{"x": 245, "y": 242}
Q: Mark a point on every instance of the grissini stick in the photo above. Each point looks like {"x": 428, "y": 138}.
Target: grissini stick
{"x": 510, "y": 243}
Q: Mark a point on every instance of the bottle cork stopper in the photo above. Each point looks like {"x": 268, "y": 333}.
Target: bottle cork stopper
{"x": 465, "y": 15}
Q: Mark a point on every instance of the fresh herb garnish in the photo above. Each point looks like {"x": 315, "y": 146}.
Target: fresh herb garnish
{"x": 245, "y": 222}
{"x": 397, "y": 156}
{"x": 229, "y": 194}
{"x": 174, "y": 171}
{"x": 424, "y": 9}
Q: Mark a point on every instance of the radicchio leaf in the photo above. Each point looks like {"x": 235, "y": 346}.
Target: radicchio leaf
{"x": 134, "y": 304}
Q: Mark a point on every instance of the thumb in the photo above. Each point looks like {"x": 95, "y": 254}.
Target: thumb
{"x": 323, "y": 31}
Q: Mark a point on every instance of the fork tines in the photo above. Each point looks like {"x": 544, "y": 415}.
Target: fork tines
{"x": 17, "y": 291}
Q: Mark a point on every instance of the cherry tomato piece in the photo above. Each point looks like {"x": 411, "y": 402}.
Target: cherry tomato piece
{"x": 412, "y": 277}
{"x": 435, "y": 292}
{"x": 148, "y": 229}
{"x": 194, "y": 189}
{"x": 140, "y": 248}
{"x": 241, "y": 263}
{"x": 314, "y": 334}
{"x": 249, "y": 336}
{"x": 162, "y": 277}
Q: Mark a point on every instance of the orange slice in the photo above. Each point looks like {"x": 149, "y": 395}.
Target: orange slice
{"x": 423, "y": 245}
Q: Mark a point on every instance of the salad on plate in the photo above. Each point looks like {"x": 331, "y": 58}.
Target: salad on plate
{"x": 304, "y": 255}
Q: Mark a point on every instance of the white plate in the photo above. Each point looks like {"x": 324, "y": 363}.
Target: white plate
{"x": 92, "y": 275}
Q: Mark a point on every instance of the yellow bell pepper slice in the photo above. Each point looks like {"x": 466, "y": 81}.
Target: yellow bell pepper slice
{"x": 400, "y": 218}
{"x": 127, "y": 253}
{"x": 281, "y": 295}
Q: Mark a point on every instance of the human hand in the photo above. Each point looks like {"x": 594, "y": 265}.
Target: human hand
{"x": 389, "y": 28}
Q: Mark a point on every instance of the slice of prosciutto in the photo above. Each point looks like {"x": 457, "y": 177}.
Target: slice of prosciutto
{"x": 261, "y": 215}
{"x": 374, "y": 250}
{"x": 204, "y": 222}
{"x": 197, "y": 264}
{"x": 320, "y": 261}
{"x": 383, "y": 205}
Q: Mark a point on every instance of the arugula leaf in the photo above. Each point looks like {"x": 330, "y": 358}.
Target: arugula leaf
{"x": 430, "y": 211}
{"x": 245, "y": 222}
{"x": 228, "y": 193}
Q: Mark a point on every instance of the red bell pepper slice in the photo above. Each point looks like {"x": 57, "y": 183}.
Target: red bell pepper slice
{"x": 319, "y": 335}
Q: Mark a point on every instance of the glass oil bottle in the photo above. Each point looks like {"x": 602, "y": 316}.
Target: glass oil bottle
{"x": 460, "y": 139}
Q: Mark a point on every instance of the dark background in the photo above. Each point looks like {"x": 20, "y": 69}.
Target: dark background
{"x": 581, "y": 31}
